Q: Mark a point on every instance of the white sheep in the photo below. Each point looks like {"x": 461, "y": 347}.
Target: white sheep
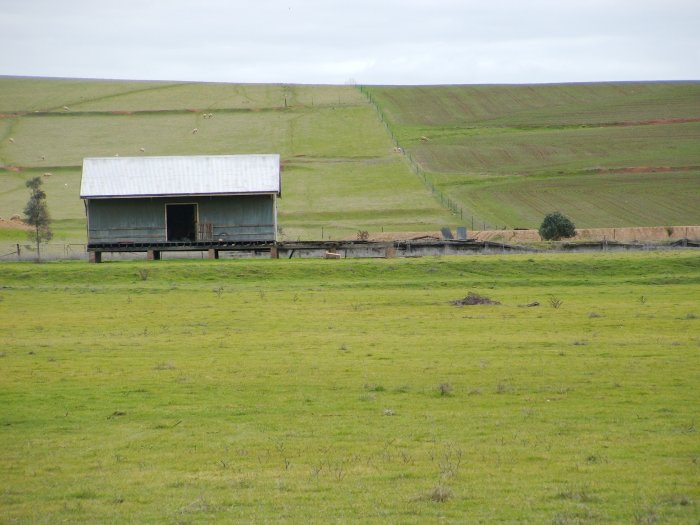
{"x": 11, "y": 140}
{"x": 195, "y": 131}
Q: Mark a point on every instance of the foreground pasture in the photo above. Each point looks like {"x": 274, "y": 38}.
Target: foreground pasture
{"x": 352, "y": 390}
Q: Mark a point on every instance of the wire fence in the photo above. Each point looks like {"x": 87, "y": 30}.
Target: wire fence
{"x": 454, "y": 206}
{"x": 49, "y": 251}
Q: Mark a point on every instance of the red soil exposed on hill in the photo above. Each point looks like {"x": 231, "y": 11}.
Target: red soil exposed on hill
{"x": 647, "y": 169}
{"x": 13, "y": 224}
{"x": 659, "y": 121}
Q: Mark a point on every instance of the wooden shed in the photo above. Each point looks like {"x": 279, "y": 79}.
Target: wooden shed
{"x": 156, "y": 204}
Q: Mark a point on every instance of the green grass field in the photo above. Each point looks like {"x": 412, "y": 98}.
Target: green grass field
{"x": 352, "y": 391}
{"x": 467, "y": 139}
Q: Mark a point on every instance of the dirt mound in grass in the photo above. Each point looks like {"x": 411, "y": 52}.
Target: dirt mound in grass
{"x": 473, "y": 299}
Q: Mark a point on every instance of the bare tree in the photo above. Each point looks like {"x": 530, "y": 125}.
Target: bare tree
{"x": 37, "y": 215}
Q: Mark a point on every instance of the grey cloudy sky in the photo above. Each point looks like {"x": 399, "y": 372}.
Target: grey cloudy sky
{"x": 370, "y": 42}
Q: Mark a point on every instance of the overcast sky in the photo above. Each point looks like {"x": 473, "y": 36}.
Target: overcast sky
{"x": 366, "y": 41}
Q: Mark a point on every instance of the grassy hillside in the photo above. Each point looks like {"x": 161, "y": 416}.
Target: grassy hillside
{"x": 607, "y": 155}
{"x": 339, "y": 167}
{"x": 351, "y": 391}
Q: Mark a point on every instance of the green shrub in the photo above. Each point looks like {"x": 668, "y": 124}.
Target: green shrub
{"x": 556, "y": 226}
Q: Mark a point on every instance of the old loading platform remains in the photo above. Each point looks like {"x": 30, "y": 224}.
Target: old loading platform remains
{"x": 180, "y": 203}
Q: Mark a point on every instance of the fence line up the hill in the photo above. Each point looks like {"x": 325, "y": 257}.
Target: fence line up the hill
{"x": 445, "y": 200}
{"x": 415, "y": 167}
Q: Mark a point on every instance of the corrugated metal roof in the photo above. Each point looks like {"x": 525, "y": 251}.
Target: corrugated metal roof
{"x": 194, "y": 175}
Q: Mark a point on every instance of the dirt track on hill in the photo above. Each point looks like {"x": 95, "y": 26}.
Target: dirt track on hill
{"x": 640, "y": 234}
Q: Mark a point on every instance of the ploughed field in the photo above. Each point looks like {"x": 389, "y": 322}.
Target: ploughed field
{"x": 352, "y": 390}
{"x": 604, "y": 154}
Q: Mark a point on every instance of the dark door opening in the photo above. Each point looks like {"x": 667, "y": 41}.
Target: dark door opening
{"x": 181, "y": 221}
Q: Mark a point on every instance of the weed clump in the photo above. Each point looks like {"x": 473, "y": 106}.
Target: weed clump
{"x": 439, "y": 494}
{"x": 473, "y": 299}
{"x": 445, "y": 389}
{"x": 580, "y": 494}
{"x": 555, "y": 302}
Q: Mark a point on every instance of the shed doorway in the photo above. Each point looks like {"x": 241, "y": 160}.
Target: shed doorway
{"x": 181, "y": 222}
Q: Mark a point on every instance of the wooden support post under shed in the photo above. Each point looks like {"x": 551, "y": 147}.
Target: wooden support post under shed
{"x": 95, "y": 257}
{"x": 274, "y": 252}
{"x": 213, "y": 253}
{"x": 153, "y": 255}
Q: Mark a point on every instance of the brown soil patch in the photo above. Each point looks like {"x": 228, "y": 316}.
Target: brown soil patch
{"x": 641, "y": 234}
{"x": 403, "y": 236}
{"x": 14, "y": 224}
{"x": 15, "y": 169}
